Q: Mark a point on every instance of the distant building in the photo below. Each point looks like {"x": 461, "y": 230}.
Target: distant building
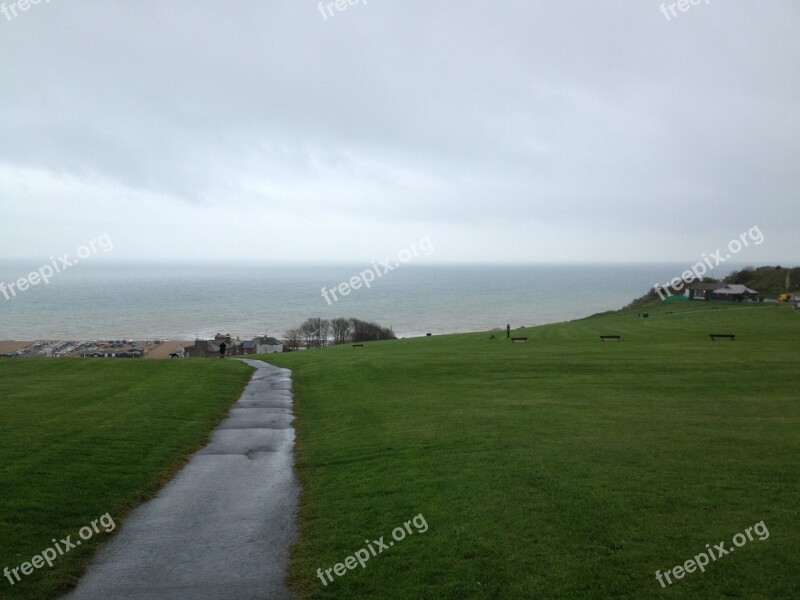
{"x": 269, "y": 345}
{"x": 734, "y": 291}
{"x": 234, "y": 347}
{"x": 263, "y": 345}
{"x": 702, "y": 291}
{"x": 210, "y": 348}
{"x": 716, "y": 290}
{"x": 104, "y": 353}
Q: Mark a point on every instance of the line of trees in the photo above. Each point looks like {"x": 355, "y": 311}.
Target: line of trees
{"x": 317, "y": 332}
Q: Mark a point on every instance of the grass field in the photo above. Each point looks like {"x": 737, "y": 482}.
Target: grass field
{"x": 562, "y": 468}
{"x": 83, "y": 437}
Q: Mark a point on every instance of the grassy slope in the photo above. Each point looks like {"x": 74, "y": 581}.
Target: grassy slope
{"x": 564, "y": 468}
{"x": 768, "y": 280}
{"x": 79, "y": 438}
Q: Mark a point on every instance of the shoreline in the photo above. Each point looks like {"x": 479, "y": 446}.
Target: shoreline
{"x": 161, "y": 347}
{"x": 69, "y": 348}
{"x": 156, "y": 349}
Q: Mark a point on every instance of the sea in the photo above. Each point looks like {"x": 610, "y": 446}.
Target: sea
{"x": 107, "y": 301}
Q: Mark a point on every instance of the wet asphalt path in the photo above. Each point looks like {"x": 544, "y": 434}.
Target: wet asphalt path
{"x": 222, "y": 528}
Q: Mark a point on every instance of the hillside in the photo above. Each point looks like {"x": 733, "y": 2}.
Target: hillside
{"x": 771, "y": 281}
{"x": 562, "y": 468}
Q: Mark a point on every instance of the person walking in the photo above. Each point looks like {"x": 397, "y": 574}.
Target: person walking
{"x": 222, "y": 348}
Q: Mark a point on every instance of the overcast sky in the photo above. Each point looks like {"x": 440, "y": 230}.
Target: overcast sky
{"x": 508, "y": 131}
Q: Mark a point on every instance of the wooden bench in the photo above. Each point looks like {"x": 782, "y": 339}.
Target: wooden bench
{"x": 358, "y": 345}
{"x": 518, "y": 340}
{"x": 722, "y": 336}
{"x": 616, "y": 338}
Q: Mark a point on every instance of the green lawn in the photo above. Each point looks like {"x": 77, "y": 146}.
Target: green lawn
{"x": 83, "y": 437}
{"x": 562, "y": 468}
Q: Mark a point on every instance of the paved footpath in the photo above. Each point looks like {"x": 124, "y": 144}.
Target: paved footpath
{"x": 222, "y": 528}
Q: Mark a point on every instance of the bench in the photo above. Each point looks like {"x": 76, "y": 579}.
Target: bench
{"x": 517, "y": 340}
{"x": 358, "y": 345}
{"x": 616, "y": 338}
{"x": 722, "y": 336}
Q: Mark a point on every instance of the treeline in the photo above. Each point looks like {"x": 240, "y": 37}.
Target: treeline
{"x": 768, "y": 280}
{"x": 316, "y": 332}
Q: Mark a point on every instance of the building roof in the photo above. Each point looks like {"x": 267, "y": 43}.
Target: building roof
{"x": 213, "y": 346}
{"x": 708, "y": 286}
{"x": 734, "y": 289}
{"x": 268, "y": 341}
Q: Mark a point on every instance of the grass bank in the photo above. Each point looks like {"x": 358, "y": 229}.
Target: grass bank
{"x": 83, "y": 437}
{"x": 562, "y": 468}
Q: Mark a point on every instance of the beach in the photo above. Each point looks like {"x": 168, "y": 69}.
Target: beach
{"x": 69, "y": 348}
{"x": 7, "y": 346}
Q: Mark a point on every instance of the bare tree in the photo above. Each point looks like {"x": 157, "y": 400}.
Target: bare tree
{"x": 364, "y": 331}
{"x": 316, "y": 332}
{"x": 341, "y": 330}
{"x": 293, "y": 338}
{"x": 323, "y": 332}
{"x": 308, "y": 331}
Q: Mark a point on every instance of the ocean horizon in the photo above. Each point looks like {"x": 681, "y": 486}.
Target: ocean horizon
{"x": 184, "y": 301}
